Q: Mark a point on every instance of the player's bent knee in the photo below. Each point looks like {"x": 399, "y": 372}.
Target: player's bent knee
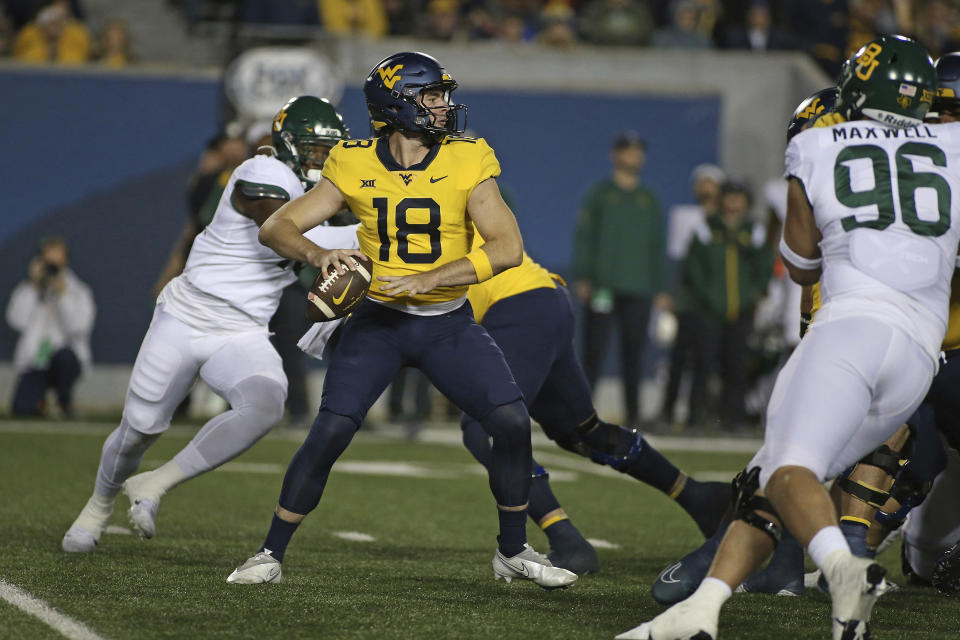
{"x": 259, "y": 397}
{"x": 509, "y": 424}
{"x": 608, "y": 444}
{"x": 331, "y": 432}
{"x": 145, "y": 416}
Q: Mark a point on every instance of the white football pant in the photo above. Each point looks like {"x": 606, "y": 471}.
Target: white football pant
{"x": 845, "y": 390}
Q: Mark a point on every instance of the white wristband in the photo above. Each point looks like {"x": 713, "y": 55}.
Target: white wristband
{"x": 794, "y": 258}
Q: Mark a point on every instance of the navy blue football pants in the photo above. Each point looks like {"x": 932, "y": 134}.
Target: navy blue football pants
{"x": 535, "y": 331}
{"x": 455, "y": 354}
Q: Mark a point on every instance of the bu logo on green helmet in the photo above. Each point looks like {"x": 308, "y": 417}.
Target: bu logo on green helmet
{"x": 891, "y": 80}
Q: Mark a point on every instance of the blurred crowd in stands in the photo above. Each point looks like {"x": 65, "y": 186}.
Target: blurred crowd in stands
{"x": 56, "y": 31}
{"x": 829, "y": 30}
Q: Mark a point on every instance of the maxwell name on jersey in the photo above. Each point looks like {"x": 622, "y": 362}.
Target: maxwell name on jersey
{"x": 412, "y": 219}
{"x": 877, "y": 133}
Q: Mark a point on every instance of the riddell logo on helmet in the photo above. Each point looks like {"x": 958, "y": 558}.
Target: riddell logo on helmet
{"x": 903, "y": 123}
{"x": 390, "y": 75}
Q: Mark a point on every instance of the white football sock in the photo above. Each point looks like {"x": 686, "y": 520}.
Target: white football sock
{"x": 825, "y": 542}
{"x": 154, "y": 484}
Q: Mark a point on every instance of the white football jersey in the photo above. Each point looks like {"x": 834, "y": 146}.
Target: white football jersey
{"x": 887, "y": 202}
{"x": 231, "y": 269}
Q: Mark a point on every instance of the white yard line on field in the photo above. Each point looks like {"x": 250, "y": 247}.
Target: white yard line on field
{"x": 117, "y": 530}
{"x": 64, "y": 624}
{"x": 602, "y": 544}
{"x": 354, "y": 536}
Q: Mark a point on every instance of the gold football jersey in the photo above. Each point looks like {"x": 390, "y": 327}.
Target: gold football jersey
{"x": 411, "y": 219}
{"x": 525, "y": 276}
{"x": 952, "y": 339}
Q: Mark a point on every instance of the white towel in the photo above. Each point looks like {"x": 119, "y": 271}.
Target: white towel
{"x": 314, "y": 341}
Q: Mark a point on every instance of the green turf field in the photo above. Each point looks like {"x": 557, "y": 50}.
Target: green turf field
{"x": 425, "y": 574}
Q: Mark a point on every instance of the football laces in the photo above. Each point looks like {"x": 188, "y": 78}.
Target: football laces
{"x": 332, "y": 278}
{"x": 326, "y": 284}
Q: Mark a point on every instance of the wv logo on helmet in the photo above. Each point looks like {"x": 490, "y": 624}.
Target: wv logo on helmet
{"x": 390, "y": 75}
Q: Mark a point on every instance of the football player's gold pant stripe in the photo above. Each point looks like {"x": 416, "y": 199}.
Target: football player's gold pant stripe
{"x": 553, "y": 520}
{"x": 855, "y": 519}
{"x": 678, "y": 487}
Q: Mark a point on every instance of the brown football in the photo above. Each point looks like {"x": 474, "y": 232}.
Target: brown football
{"x": 336, "y": 295}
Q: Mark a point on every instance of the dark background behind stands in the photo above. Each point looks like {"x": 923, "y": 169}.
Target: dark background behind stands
{"x": 110, "y": 156}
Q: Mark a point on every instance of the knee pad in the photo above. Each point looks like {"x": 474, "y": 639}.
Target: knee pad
{"x": 145, "y": 416}
{"x": 330, "y": 432}
{"x": 259, "y": 397}
{"x": 604, "y": 443}
{"x": 747, "y": 504}
{"x": 885, "y": 459}
{"x": 509, "y": 423}
{"x": 925, "y": 459}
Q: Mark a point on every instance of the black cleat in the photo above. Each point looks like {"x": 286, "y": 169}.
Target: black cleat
{"x": 678, "y": 581}
{"x": 580, "y": 557}
{"x": 946, "y": 573}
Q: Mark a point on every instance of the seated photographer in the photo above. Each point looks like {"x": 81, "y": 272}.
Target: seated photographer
{"x": 53, "y": 311}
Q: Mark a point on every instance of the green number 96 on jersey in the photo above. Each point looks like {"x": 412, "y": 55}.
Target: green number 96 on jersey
{"x": 337, "y": 294}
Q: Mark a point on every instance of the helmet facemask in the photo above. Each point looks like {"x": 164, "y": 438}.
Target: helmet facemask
{"x": 422, "y": 119}
{"x": 947, "y": 100}
{"x": 427, "y": 116}
{"x": 308, "y": 156}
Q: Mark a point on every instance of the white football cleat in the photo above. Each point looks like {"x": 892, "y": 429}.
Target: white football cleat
{"x": 144, "y": 503}
{"x": 530, "y": 565}
{"x": 79, "y": 540}
{"x": 259, "y": 569}
{"x": 84, "y": 534}
{"x": 686, "y": 620}
{"x": 855, "y": 584}
{"x": 143, "y": 516}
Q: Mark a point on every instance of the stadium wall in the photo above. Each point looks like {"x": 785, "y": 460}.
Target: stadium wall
{"x": 103, "y": 157}
{"x": 104, "y": 160}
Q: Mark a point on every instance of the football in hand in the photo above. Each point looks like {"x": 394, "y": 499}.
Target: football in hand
{"x": 337, "y": 294}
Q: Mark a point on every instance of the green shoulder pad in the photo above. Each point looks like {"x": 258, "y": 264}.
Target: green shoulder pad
{"x": 255, "y": 190}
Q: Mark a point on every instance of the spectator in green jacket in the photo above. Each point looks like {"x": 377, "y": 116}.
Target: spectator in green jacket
{"x": 722, "y": 280}
{"x": 619, "y": 265}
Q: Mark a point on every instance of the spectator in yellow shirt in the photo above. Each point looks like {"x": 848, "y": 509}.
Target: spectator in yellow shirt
{"x": 53, "y": 36}
{"x": 114, "y": 48}
{"x": 359, "y": 17}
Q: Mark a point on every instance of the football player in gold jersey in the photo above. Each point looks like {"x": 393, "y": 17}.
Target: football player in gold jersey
{"x": 528, "y": 311}
{"x": 418, "y": 189}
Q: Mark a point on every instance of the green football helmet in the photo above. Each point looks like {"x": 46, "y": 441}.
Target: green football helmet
{"x": 304, "y": 130}
{"x": 890, "y": 80}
